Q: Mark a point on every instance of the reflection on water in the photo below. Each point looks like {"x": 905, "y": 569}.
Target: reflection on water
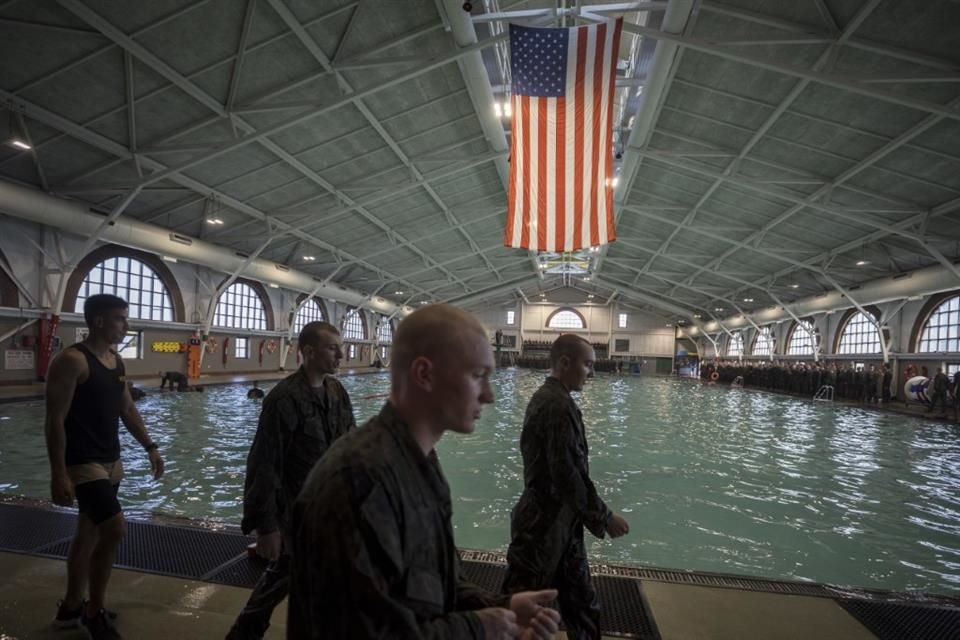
{"x": 710, "y": 478}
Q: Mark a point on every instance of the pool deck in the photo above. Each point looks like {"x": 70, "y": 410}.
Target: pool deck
{"x": 157, "y": 603}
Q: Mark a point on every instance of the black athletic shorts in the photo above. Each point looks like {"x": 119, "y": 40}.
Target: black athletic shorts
{"x": 96, "y": 485}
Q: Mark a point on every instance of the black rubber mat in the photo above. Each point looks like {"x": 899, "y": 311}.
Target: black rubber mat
{"x": 625, "y": 611}
{"x": 484, "y": 574}
{"x": 24, "y": 529}
{"x": 175, "y": 551}
{"x": 243, "y": 572}
{"x": 889, "y": 621}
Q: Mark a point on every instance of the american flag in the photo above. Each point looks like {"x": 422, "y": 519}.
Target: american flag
{"x": 561, "y": 168}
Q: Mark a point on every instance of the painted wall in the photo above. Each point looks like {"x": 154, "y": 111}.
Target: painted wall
{"x": 34, "y": 253}
{"x": 647, "y": 334}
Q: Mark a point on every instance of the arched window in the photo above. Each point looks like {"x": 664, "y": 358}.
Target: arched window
{"x": 384, "y": 336}
{"x": 941, "y": 331}
{"x": 240, "y": 307}
{"x": 803, "y": 339}
{"x": 566, "y": 319}
{"x": 385, "y": 332}
{"x": 735, "y": 344}
{"x": 310, "y": 311}
{"x": 763, "y": 343}
{"x": 859, "y": 335}
{"x": 354, "y": 327}
{"x": 133, "y": 281}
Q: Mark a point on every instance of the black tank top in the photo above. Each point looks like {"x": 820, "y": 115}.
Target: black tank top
{"x": 93, "y": 422}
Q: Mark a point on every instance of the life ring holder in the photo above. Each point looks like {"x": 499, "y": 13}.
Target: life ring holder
{"x": 714, "y": 376}
{"x": 211, "y": 345}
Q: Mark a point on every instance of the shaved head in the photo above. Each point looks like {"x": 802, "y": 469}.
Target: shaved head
{"x": 432, "y": 332}
{"x": 568, "y": 345}
{"x": 310, "y": 334}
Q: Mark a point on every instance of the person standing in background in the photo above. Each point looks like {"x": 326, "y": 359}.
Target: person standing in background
{"x": 87, "y": 397}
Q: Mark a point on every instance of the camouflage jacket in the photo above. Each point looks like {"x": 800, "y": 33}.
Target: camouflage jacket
{"x": 297, "y": 425}
{"x": 373, "y": 548}
{"x": 557, "y": 490}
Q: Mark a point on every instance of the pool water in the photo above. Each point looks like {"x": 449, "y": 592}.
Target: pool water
{"x": 710, "y": 478}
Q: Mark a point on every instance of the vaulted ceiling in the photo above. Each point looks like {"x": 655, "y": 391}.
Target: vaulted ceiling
{"x": 767, "y": 150}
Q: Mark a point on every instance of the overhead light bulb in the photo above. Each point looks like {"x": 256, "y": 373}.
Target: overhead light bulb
{"x": 309, "y": 258}
{"x": 507, "y": 109}
{"x": 862, "y": 262}
{"x": 497, "y": 110}
{"x": 20, "y": 144}
{"x": 794, "y": 286}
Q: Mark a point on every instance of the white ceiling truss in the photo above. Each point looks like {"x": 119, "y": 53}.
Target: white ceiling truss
{"x": 770, "y": 151}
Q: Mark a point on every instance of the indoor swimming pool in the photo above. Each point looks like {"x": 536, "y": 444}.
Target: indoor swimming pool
{"x": 710, "y": 478}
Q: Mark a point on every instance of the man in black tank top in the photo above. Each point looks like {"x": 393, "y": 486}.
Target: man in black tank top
{"x": 87, "y": 396}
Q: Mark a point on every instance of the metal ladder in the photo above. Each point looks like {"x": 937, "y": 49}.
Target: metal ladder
{"x": 824, "y": 394}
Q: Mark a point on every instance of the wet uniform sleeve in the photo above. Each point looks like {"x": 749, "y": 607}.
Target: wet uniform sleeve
{"x": 262, "y": 486}
{"x": 354, "y": 562}
{"x": 568, "y": 471}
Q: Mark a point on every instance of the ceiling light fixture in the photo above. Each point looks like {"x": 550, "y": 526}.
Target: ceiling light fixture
{"x": 214, "y": 221}
{"x": 20, "y": 144}
{"x": 748, "y": 299}
{"x": 274, "y": 285}
{"x": 169, "y": 259}
{"x": 794, "y": 286}
{"x": 862, "y": 262}
{"x": 309, "y": 258}
{"x": 718, "y": 309}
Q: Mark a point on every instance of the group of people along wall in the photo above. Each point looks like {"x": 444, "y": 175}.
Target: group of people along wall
{"x": 920, "y": 334}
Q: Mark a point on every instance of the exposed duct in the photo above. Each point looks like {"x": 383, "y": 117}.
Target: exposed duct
{"x": 915, "y": 284}
{"x": 478, "y": 84}
{"x": 77, "y": 218}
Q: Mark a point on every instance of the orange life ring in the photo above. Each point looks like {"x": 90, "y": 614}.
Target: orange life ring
{"x": 714, "y": 376}
{"x": 211, "y": 345}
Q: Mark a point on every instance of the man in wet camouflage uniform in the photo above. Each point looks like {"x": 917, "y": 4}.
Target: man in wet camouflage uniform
{"x": 559, "y": 499}
{"x": 301, "y": 418}
{"x": 372, "y": 536}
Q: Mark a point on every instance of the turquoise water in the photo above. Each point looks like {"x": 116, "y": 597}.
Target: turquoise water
{"x": 710, "y": 478}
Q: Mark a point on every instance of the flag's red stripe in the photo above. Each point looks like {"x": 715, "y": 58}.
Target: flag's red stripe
{"x": 509, "y": 240}
{"x": 598, "y": 135}
{"x": 561, "y": 179}
{"x": 578, "y": 146}
{"x": 542, "y": 174}
{"x": 525, "y": 150}
{"x": 611, "y": 231}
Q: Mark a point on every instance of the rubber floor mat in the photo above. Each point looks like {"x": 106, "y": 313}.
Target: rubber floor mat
{"x": 890, "y": 621}
{"x": 25, "y": 529}
{"x": 175, "y": 551}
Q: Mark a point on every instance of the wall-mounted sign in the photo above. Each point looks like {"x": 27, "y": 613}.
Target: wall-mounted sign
{"x": 18, "y": 359}
{"x": 166, "y": 347}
